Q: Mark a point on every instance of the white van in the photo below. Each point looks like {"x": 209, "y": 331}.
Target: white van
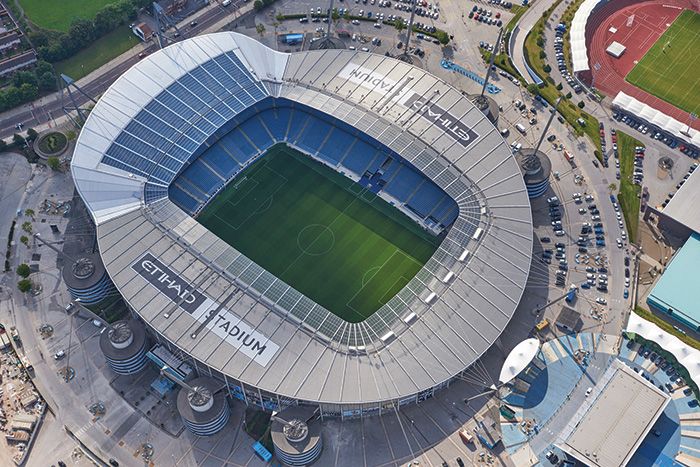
{"x": 226, "y": 3}
{"x": 520, "y": 128}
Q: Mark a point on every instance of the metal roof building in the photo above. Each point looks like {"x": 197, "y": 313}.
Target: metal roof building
{"x": 614, "y": 419}
{"x": 239, "y": 323}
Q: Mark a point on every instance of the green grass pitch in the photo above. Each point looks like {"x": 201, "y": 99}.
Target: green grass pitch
{"x": 52, "y": 14}
{"x": 672, "y": 73}
{"x": 325, "y": 235}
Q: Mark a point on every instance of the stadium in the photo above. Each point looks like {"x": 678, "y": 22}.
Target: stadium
{"x": 331, "y": 228}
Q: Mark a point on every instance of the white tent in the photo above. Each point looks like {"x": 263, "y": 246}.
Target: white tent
{"x": 579, "y": 53}
{"x": 518, "y": 359}
{"x": 686, "y": 355}
{"x": 632, "y": 106}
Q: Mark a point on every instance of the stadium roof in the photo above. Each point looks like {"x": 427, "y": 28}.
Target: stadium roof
{"x": 213, "y": 303}
{"x": 614, "y": 419}
{"x": 655, "y": 117}
{"x": 518, "y": 359}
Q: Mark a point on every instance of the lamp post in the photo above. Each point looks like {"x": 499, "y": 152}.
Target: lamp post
{"x": 596, "y": 67}
{"x": 692, "y": 117}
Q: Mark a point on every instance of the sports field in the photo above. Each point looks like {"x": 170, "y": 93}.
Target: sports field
{"x": 325, "y": 235}
{"x": 58, "y": 15}
{"x": 672, "y": 72}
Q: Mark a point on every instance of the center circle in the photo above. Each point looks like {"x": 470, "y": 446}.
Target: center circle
{"x": 316, "y": 239}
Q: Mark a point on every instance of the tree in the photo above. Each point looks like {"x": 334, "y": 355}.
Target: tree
{"x": 106, "y": 19}
{"x": 12, "y": 97}
{"x": 442, "y": 37}
{"x": 568, "y": 95}
{"x": 53, "y": 162}
{"x": 559, "y": 87}
{"x": 260, "y": 28}
{"x": 24, "y": 240}
{"x": 612, "y": 187}
{"x": 534, "y": 89}
{"x": 17, "y": 139}
{"x": 581, "y": 104}
{"x": 81, "y": 33}
{"x": 335, "y": 15}
{"x": 23, "y": 270}
{"x": 280, "y": 16}
{"x": 543, "y": 54}
{"x": 29, "y": 92}
{"x": 24, "y": 285}
{"x": 29, "y": 213}
{"x": 42, "y": 67}
{"x": 70, "y": 135}
{"x": 346, "y": 14}
{"x": 3, "y": 145}
{"x": 399, "y": 25}
{"x": 547, "y": 68}
{"x": 21, "y": 77}
{"x": 31, "y": 133}
{"x": 258, "y": 5}
{"x": 27, "y": 227}
{"x": 47, "y": 81}
{"x": 39, "y": 38}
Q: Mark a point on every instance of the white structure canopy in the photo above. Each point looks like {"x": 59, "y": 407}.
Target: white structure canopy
{"x": 629, "y": 104}
{"x": 518, "y": 359}
{"x": 579, "y": 54}
{"x": 686, "y": 355}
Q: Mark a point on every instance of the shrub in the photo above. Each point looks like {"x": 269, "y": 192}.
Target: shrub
{"x": 24, "y": 239}
{"x": 559, "y": 86}
{"x": 581, "y": 104}
{"x": 53, "y": 162}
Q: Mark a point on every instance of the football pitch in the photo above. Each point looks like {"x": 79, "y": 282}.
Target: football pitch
{"x": 325, "y": 235}
{"x": 672, "y": 72}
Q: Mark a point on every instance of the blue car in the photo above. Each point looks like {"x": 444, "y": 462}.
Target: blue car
{"x": 626, "y": 294}
{"x": 600, "y": 243}
{"x": 585, "y": 285}
{"x": 693, "y": 403}
{"x": 599, "y": 231}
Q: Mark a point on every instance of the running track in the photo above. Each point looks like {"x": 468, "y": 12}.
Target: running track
{"x": 651, "y": 19}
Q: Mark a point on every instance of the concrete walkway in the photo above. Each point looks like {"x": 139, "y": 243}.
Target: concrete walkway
{"x": 526, "y": 23}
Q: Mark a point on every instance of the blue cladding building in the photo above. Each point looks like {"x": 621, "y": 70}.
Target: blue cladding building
{"x": 676, "y": 292}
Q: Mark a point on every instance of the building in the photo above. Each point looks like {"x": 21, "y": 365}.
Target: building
{"x": 9, "y": 41}
{"x": 680, "y": 217}
{"x": 296, "y": 435}
{"x": 17, "y": 62}
{"x": 614, "y": 419}
{"x": 87, "y": 279}
{"x": 124, "y": 347}
{"x": 203, "y": 407}
{"x": 535, "y": 168}
{"x": 268, "y": 344}
{"x": 143, "y": 31}
{"x": 674, "y": 294}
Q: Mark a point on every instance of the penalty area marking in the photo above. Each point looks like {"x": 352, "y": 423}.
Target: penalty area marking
{"x": 348, "y": 304}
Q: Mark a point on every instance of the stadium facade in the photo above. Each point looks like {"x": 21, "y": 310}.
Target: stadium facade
{"x": 144, "y": 167}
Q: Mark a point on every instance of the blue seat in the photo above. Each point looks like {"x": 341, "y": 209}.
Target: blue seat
{"x": 277, "y": 121}
{"x": 403, "y": 184}
{"x": 254, "y": 129}
{"x": 183, "y": 199}
{"x": 217, "y": 158}
{"x": 314, "y": 134}
{"x": 360, "y": 157}
{"x": 336, "y": 145}
{"x": 202, "y": 177}
{"x": 296, "y": 124}
{"x": 425, "y": 198}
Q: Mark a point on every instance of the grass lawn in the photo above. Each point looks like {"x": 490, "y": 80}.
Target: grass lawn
{"x": 673, "y": 74}
{"x": 323, "y": 234}
{"x": 568, "y": 109}
{"x": 628, "y": 196}
{"x": 58, "y": 15}
{"x": 104, "y": 49}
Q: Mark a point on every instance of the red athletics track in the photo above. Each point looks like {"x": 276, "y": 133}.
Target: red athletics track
{"x": 651, "y": 19}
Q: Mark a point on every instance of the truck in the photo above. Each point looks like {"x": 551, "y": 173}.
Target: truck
{"x": 14, "y": 333}
{"x": 542, "y": 325}
{"x": 570, "y": 296}
{"x": 569, "y": 157}
{"x": 520, "y": 128}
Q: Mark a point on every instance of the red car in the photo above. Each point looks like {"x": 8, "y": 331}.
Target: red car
{"x": 614, "y": 139}
{"x": 602, "y": 133}
{"x": 498, "y": 15}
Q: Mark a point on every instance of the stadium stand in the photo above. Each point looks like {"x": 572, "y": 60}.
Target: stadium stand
{"x": 254, "y": 130}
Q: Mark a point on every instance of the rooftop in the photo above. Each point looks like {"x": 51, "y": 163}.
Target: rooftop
{"x": 683, "y": 206}
{"x": 613, "y": 421}
{"x": 676, "y": 288}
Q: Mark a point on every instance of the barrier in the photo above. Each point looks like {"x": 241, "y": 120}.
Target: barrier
{"x": 448, "y": 65}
